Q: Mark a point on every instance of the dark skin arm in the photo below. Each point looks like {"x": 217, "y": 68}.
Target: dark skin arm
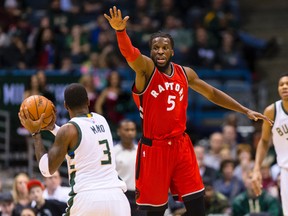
{"x": 65, "y": 139}
{"x": 143, "y": 67}
{"x": 219, "y": 97}
{"x": 261, "y": 151}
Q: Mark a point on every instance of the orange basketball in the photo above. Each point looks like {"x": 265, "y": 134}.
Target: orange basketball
{"x": 36, "y": 105}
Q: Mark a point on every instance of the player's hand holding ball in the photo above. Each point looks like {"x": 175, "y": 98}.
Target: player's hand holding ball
{"x": 37, "y": 113}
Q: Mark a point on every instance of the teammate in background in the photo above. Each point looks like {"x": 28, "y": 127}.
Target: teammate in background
{"x": 86, "y": 141}
{"x": 125, "y": 154}
{"x": 277, "y": 111}
{"x": 165, "y": 157}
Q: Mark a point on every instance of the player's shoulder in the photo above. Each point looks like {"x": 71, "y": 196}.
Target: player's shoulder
{"x": 270, "y": 111}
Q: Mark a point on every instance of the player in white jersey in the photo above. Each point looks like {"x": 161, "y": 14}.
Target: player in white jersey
{"x": 87, "y": 143}
{"x": 277, "y": 111}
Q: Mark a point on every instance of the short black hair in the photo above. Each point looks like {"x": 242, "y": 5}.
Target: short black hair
{"x": 163, "y": 35}
{"x": 226, "y": 162}
{"x": 75, "y": 96}
{"x": 283, "y": 75}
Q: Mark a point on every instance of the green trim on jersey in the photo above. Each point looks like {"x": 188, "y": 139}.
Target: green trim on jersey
{"x": 71, "y": 151}
{"x": 72, "y": 194}
{"x": 283, "y": 108}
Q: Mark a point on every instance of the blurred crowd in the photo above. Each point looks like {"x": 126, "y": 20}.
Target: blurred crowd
{"x": 73, "y": 35}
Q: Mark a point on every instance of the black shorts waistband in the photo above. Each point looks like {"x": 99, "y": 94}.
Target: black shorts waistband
{"x": 146, "y": 141}
{"x": 149, "y": 142}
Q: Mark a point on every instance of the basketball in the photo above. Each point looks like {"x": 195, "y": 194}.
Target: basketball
{"x": 36, "y": 105}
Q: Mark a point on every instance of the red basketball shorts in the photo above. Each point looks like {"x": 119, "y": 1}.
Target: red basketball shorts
{"x": 166, "y": 164}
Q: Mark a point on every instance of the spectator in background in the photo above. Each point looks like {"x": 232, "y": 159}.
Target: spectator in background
{"x": 203, "y": 53}
{"x": 87, "y": 81}
{"x": 229, "y": 55}
{"x": 125, "y": 156}
{"x": 183, "y": 38}
{"x": 28, "y": 211}
{"x": 54, "y": 189}
{"x": 92, "y": 67}
{"x": 44, "y": 206}
{"x": 207, "y": 173}
{"x": 4, "y": 38}
{"x": 67, "y": 66}
{"x": 6, "y": 204}
{"x": 47, "y": 51}
{"x": 244, "y": 159}
{"x": 227, "y": 184}
{"x": 246, "y": 202}
{"x": 268, "y": 183}
{"x": 42, "y": 78}
{"x": 77, "y": 44}
{"x": 32, "y": 87}
{"x": 60, "y": 20}
{"x": 1, "y": 185}
{"x": 17, "y": 49}
{"x": 212, "y": 157}
{"x": 109, "y": 101}
{"x": 219, "y": 17}
{"x": 230, "y": 139}
{"x": 20, "y": 192}
{"x": 225, "y": 154}
{"x": 215, "y": 202}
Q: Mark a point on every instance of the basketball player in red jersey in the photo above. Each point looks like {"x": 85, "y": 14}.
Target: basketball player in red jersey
{"x": 165, "y": 158}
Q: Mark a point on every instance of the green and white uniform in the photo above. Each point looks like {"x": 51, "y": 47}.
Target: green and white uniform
{"x": 96, "y": 188}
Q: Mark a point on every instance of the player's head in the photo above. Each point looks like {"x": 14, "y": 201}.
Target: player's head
{"x": 75, "y": 96}
{"x": 127, "y": 131}
{"x": 161, "y": 49}
{"x": 283, "y": 86}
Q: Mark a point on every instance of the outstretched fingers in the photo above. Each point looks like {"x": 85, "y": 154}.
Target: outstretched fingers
{"x": 107, "y": 17}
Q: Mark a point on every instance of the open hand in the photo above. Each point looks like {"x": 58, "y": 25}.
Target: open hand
{"x": 115, "y": 19}
{"x": 51, "y": 125}
{"x": 257, "y": 183}
{"x": 256, "y": 116}
{"x": 31, "y": 125}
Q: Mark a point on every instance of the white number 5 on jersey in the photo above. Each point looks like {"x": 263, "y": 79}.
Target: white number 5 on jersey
{"x": 171, "y": 102}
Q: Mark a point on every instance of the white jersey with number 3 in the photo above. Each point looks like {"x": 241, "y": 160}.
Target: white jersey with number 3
{"x": 280, "y": 134}
{"x": 91, "y": 165}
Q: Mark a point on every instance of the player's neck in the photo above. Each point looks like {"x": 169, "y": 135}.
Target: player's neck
{"x": 285, "y": 105}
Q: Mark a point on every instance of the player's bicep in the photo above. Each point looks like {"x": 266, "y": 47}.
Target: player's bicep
{"x": 59, "y": 149}
{"x": 266, "y": 127}
{"x": 143, "y": 67}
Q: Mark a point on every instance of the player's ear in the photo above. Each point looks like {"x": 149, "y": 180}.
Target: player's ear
{"x": 172, "y": 54}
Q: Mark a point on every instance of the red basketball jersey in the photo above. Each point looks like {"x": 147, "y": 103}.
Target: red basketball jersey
{"x": 163, "y": 104}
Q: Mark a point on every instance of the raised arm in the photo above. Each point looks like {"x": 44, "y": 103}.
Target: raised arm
{"x": 220, "y": 98}
{"x": 142, "y": 65}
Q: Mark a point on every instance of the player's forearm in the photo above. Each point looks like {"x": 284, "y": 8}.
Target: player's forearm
{"x": 130, "y": 52}
{"x": 38, "y": 146}
{"x": 222, "y": 99}
{"x": 261, "y": 152}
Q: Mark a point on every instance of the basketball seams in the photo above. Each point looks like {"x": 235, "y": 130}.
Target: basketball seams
{"x": 38, "y": 104}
